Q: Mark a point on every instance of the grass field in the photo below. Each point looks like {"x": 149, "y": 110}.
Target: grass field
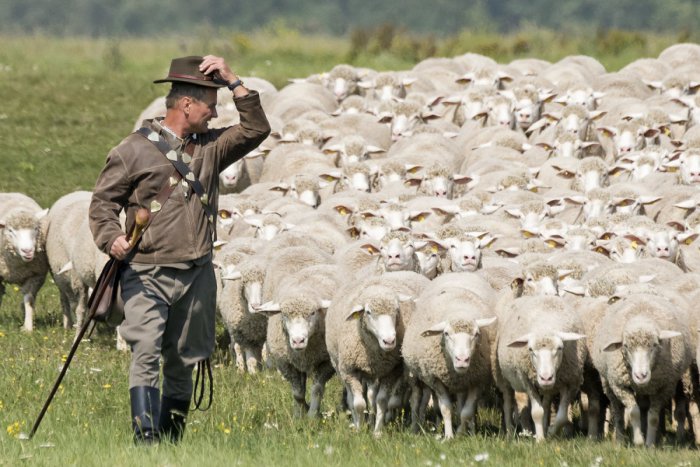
{"x": 65, "y": 103}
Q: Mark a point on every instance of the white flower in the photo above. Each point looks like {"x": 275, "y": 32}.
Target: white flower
{"x": 484, "y": 456}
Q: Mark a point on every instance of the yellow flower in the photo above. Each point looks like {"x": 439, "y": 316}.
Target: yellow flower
{"x": 106, "y": 386}
{"x": 2, "y": 334}
{"x": 13, "y": 430}
{"x": 1, "y": 405}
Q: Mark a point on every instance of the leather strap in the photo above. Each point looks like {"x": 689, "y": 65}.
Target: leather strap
{"x": 176, "y": 159}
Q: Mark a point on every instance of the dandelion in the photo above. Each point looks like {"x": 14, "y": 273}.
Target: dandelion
{"x": 1, "y": 406}
{"x": 2, "y": 334}
{"x": 14, "y": 429}
{"x": 106, "y": 386}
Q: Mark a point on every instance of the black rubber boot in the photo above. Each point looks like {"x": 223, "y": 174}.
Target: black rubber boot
{"x": 145, "y": 413}
{"x": 173, "y": 416}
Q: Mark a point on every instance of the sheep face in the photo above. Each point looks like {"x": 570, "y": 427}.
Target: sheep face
{"x": 252, "y": 279}
{"x": 465, "y": 252}
{"x": 546, "y": 352}
{"x": 20, "y": 231}
{"x": 690, "y": 168}
{"x": 500, "y": 112}
{"x": 428, "y": 257}
{"x": 459, "y": 340}
{"x": 229, "y": 177}
{"x": 398, "y": 254}
{"x": 641, "y": 344}
{"x": 526, "y": 112}
{"x": 540, "y": 284}
{"x": 302, "y": 318}
{"x": 663, "y": 244}
{"x": 378, "y": 317}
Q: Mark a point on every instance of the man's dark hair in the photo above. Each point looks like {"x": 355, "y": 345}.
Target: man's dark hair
{"x": 179, "y": 90}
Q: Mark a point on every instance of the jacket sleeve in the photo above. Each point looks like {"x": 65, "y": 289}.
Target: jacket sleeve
{"x": 238, "y": 140}
{"x": 110, "y": 196}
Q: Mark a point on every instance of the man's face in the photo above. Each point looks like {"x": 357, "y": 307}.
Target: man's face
{"x": 201, "y": 111}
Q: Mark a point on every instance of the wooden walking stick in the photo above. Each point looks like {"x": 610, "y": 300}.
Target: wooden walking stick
{"x": 98, "y": 299}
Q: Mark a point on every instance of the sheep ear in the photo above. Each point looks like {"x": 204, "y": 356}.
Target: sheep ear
{"x": 268, "y": 308}
{"x": 577, "y": 290}
{"x": 613, "y": 346}
{"x": 666, "y": 334}
{"x": 570, "y": 336}
{"x": 66, "y": 267}
{"x": 219, "y": 243}
{"x": 325, "y": 304}
{"x": 520, "y": 341}
{"x": 355, "y": 313}
{"x": 233, "y": 276}
{"x": 438, "y": 328}
{"x": 406, "y": 298}
{"x": 343, "y": 210}
{"x": 370, "y": 248}
{"x": 283, "y": 187}
{"x": 483, "y": 322}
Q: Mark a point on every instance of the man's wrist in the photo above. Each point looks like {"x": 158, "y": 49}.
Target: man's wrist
{"x": 234, "y": 84}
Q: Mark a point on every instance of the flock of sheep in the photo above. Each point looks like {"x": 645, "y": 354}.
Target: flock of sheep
{"x": 433, "y": 233}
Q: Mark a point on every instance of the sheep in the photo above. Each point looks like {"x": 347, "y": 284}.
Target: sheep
{"x": 297, "y": 98}
{"x": 241, "y": 174}
{"x": 447, "y": 346}
{"x": 296, "y": 340}
{"x": 552, "y": 365}
{"x": 398, "y": 252}
{"x": 642, "y": 348}
{"x": 62, "y": 219}
{"x": 351, "y": 149}
{"x": 240, "y": 281}
{"x": 292, "y": 159}
{"x": 375, "y": 132}
{"x": 364, "y": 332}
{"x": 23, "y": 259}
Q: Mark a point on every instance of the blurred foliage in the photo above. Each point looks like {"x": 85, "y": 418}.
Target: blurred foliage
{"x": 341, "y": 17}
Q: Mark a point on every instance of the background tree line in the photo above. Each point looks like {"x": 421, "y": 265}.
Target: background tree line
{"x": 341, "y": 17}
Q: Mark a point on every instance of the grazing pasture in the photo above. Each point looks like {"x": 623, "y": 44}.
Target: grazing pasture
{"x": 65, "y": 103}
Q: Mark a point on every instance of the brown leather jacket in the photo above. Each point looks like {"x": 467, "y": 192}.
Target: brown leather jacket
{"x": 136, "y": 171}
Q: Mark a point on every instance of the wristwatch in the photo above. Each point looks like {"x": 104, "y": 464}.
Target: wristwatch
{"x": 235, "y": 84}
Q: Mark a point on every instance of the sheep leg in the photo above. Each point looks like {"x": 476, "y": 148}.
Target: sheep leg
{"x": 562, "y": 416}
{"x": 252, "y": 360}
{"x": 427, "y": 393}
{"x": 356, "y": 399}
{"x": 508, "y": 406}
{"x": 28, "y": 305}
{"x": 680, "y": 415}
{"x": 634, "y": 414}
{"x": 321, "y": 377}
{"x": 593, "y": 415}
{"x": 29, "y": 290}
{"x": 537, "y": 413}
{"x": 694, "y": 411}
{"x": 547, "y": 414}
{"x": 372, "y": 400}
{"x": 66, "y": 308}
{"x": 238, "y": 355}
{"x": 468, "y": 411}
{"x": 653, "y": 422}
{"x": 416, "y": 397}
{"x": 122, "y": 346}
{"x": 445, "y": 404}
{"x": 297, "y": 380}
{"x": 382, "y": 402}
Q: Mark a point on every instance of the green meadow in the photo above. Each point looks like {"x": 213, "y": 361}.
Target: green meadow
{"x": 65, "y": 103}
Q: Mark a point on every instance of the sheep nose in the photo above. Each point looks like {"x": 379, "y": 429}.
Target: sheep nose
{"x": 440, "y": 193}
{"x": 641, "y": 375}
{"x": 297, "y": 341}
{"x": 464, "y": 359}
{"x": 389, "y": 341}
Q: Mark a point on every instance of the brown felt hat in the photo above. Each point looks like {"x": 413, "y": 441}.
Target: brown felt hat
{"x": 186, "y": 70}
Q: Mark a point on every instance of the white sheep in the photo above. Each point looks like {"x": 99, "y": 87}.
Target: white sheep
{"x": 447, "y": 346}
{"x": 296, "y": 338}
{"x": 23, "y": 259}
{"x": 538, "y": 353}
{"x": 641, "y": 349}
{"x": 364, "y": 332}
